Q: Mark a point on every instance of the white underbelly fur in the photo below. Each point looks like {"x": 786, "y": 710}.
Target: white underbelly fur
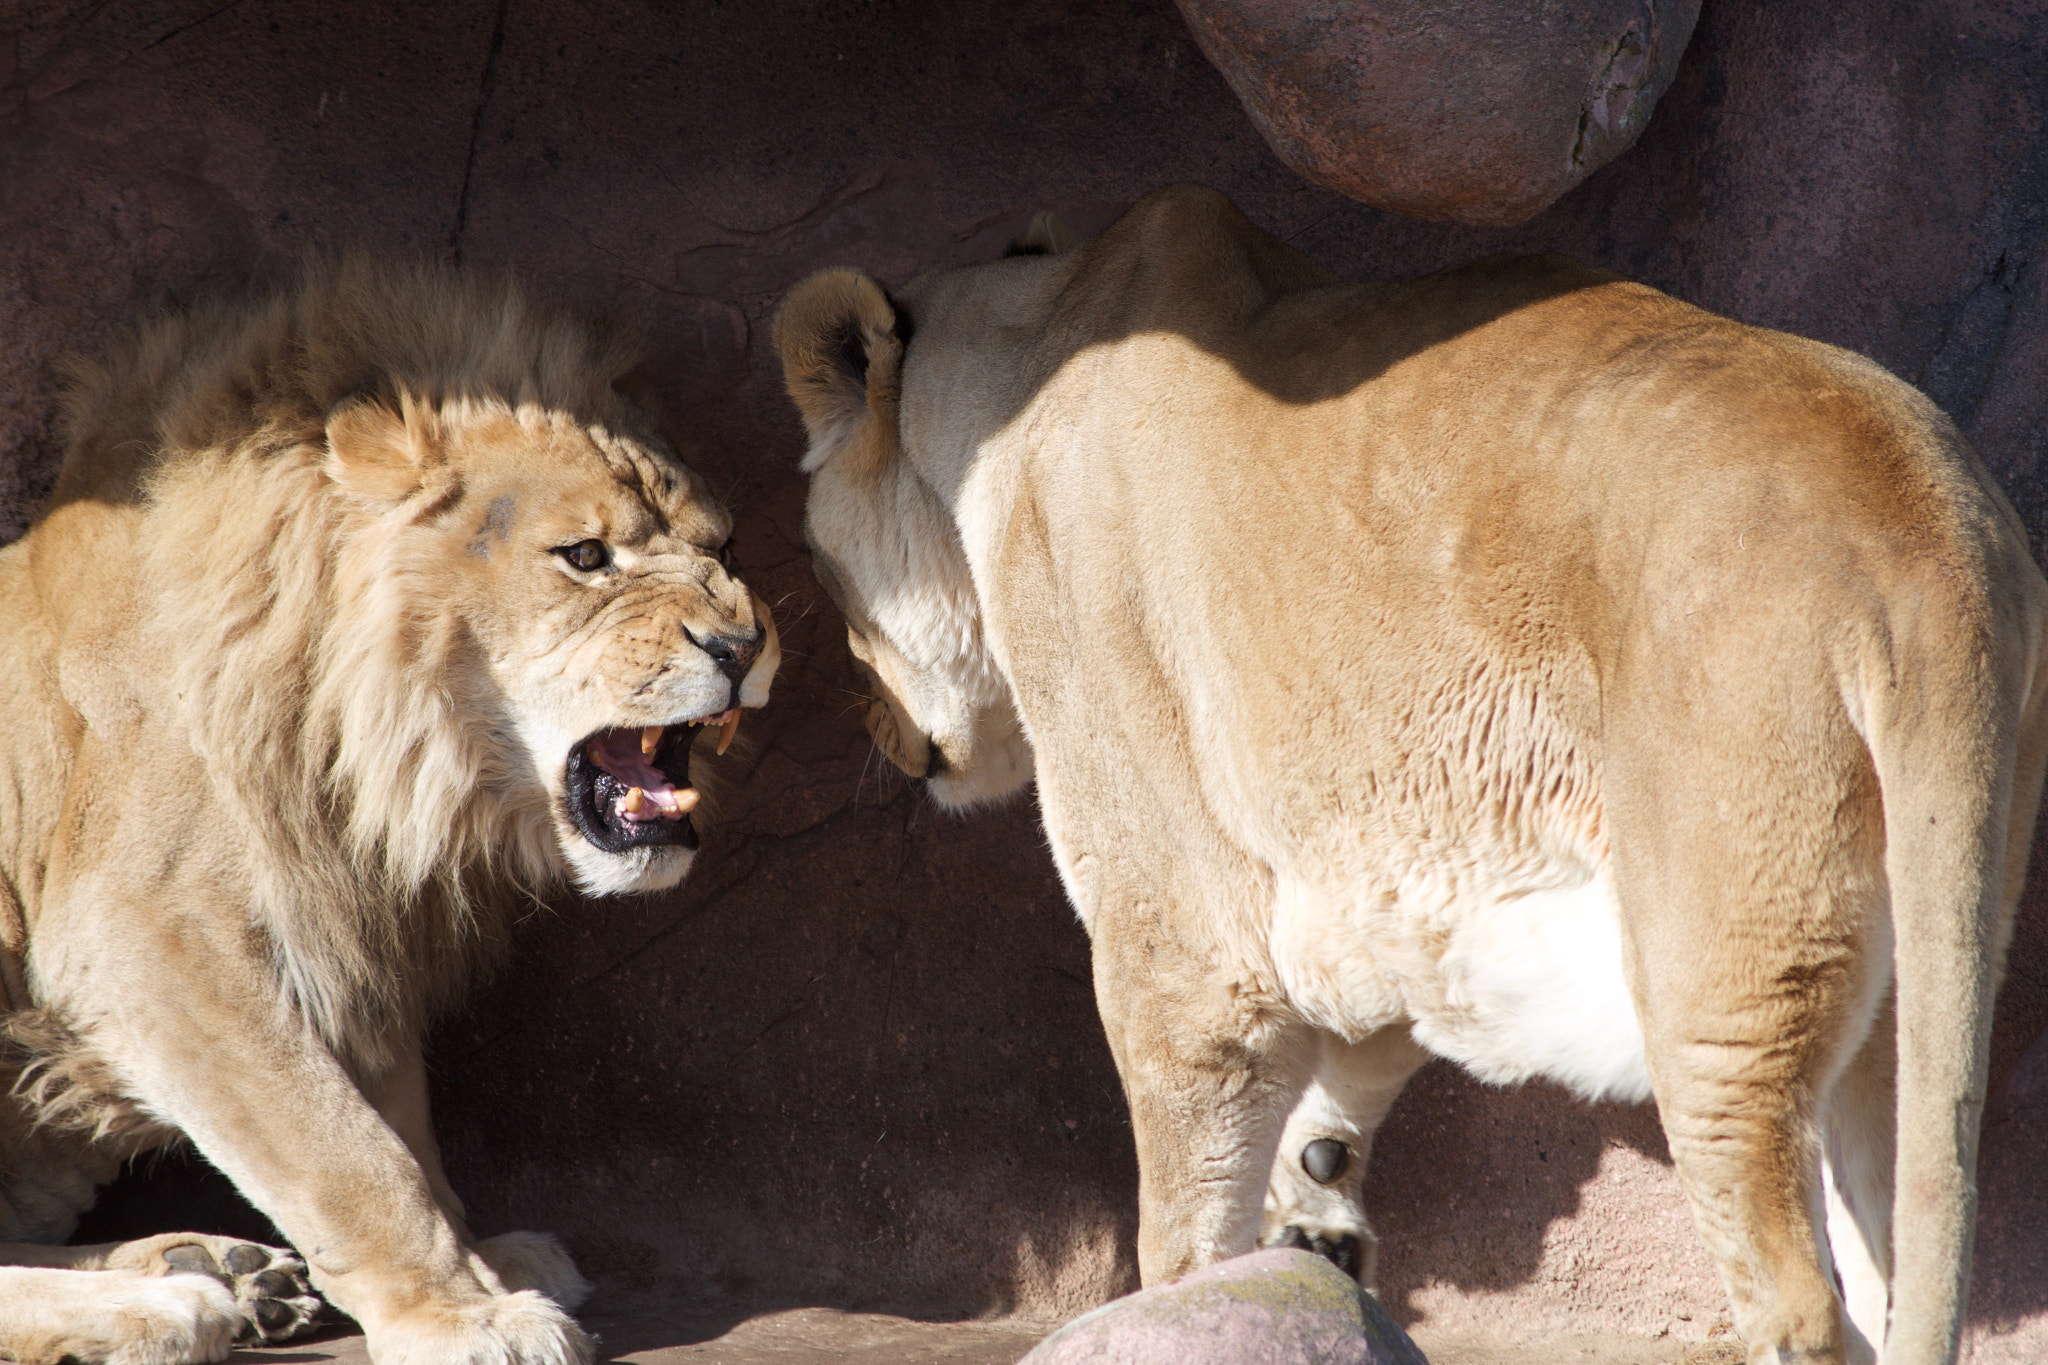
{"x": 1510, "y": 984}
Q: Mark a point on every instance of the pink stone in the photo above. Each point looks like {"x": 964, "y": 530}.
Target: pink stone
{"x": 1276, "y": 1307}
{"x": 1468, "y": 111}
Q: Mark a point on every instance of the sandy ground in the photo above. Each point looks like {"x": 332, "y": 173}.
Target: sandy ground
{"x": 824, "y": 1336}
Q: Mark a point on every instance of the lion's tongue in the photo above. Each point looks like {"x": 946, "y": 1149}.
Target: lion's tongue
{"x": 649, "y": 793}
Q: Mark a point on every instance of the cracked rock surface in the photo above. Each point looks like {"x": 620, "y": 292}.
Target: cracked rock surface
{"x": 854, "y": 1062}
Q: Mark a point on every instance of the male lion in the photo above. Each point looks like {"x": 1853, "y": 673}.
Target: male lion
{"x": 1514, "y": 665}
{"x": 359, "y": 615}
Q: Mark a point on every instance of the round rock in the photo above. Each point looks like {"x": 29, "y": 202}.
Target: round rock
{"x": 1468, "y": 111}
{"x": 1274, "y": 1307}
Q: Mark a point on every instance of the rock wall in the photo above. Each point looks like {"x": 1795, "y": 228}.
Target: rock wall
{"x": 855, "y": 1060}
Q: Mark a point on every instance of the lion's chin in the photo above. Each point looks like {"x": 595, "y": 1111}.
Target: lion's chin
{"x": 633, "y": 872}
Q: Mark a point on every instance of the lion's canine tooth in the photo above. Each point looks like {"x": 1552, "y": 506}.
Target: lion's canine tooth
{"x": 650, "y": 739}
{"x": 634, "y": 802}
{"x": 686, "y": 800}
{"x": 729, "y": 729}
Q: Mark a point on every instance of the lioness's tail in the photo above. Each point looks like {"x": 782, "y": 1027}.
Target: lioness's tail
{"x": 1957, "y": 721}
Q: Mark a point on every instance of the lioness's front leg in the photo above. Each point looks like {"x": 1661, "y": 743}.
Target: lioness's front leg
{"x": 1211, "y": 1066}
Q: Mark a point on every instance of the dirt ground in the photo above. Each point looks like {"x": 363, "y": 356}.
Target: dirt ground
{"x": 822, "y": 1336}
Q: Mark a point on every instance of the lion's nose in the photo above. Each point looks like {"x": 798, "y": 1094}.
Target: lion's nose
{"x": 734, "y": 654}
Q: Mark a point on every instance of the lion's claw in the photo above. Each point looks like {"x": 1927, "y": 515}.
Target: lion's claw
{"x": 270, "y": 1285}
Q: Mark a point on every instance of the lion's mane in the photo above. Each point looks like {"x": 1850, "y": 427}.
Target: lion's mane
{"x": 371, "y": 771}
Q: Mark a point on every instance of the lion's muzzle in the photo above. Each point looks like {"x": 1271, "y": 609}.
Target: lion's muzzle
{"x": 733, "y": 654}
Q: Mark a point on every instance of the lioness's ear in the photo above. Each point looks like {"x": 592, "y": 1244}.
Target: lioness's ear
{"x": 842, "y": 357}
{"x": 381, "y": 453}
{"x": 1048, "y": 235}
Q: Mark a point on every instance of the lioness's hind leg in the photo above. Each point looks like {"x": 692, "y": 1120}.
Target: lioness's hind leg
{"x": 1860, "y": 1139}
{"x": 1753, "y": 905}
{"x": 1315, "y": 1199}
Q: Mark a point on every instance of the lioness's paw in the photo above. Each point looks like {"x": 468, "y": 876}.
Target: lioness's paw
{"x": 1344, "y": 1250}
{"x": 510, "y": 1329}
{"x": 1312, "y": 1201}
{"x": 535, "y": 1260}
{"x": 170, "y": 1321}
{"x": 269, "y": 1285}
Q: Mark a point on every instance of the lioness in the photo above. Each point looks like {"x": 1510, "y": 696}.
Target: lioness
{"x": 359, "y": 615}
{"x": 1513, "y": 665}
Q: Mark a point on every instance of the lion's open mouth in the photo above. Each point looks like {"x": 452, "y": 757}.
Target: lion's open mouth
{"x": 630, "y": 788}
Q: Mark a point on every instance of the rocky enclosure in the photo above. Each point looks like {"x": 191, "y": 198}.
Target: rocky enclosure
{"x": 855, "y": 1061}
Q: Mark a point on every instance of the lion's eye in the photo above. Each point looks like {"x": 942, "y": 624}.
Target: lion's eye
{"x": 725, "y": 555}
{"x": 587, "y": 555}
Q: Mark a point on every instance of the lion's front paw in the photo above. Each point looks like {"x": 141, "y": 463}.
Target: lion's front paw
{"x": 176, "y": 1320}
{"x": 535, "y": 1260}
{"x": 509, "y": 1329}
{"x": 269, "y": 1284}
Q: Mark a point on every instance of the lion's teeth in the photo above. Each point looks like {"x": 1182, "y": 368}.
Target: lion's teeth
{"x": 729, "y": 729}
{"x": 650, "y": 740}
{"x": 686, "y": 800}
{"x": 634, "y": 802}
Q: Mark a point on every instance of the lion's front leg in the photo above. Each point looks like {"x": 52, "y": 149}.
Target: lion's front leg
{"x": 350, "y": 1195}
{"x": 267, "y": 1103}
{"x": 507, "y": 1263}
{"x": 112, "y": 1317}
{"x": 268, "y": 1283}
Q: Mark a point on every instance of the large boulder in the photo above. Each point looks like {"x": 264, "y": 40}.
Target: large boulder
{"x": 1467, "y": 111}
{"x": 1277, "y": 1307}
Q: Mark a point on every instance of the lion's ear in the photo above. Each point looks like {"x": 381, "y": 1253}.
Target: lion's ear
{"x": 841, "y": 344}
{"x": 381, "y": 453}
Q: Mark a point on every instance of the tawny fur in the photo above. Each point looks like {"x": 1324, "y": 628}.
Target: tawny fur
{"x": 1515, "y": 665}
{"x": 295, "y": 674}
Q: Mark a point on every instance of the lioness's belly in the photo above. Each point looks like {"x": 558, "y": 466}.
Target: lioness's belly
{"x": 1511, "y": 982}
